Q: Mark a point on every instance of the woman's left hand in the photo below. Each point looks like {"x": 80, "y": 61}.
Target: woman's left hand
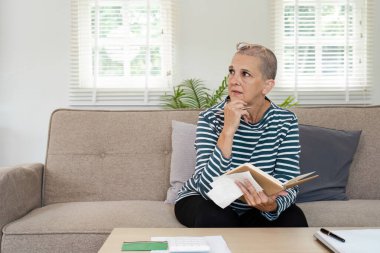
{"x": 259, "y": 200}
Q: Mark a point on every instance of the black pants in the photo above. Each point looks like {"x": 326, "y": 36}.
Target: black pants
{"x": 195, "y": 211}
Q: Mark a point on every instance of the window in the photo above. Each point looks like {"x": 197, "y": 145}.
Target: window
{"x": 121, "y": 51}
{"x": 323, "y": 51}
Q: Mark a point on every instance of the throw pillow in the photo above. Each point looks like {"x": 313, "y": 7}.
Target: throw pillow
{"x": 329, "y": 152}
{"x": 183, "y": 157}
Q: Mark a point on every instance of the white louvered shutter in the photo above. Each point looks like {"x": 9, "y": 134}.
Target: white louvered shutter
{"x": 122, "y": 51}
{"x": 324, "y": 51}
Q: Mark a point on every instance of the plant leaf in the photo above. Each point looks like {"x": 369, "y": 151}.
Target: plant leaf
{"x": 174, "y": 101}
{"x": 288, "y": 103}
{"x": 219, "y": 94}
{"x": 195, "y": 93}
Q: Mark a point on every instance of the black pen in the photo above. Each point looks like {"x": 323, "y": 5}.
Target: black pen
{"x": 326, "y": 232}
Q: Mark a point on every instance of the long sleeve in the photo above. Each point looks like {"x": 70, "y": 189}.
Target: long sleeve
{"x": 210, "y": 162}
{"x": 287, "y": 166}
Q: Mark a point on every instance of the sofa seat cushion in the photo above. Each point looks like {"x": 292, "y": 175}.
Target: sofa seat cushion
{"x": 82, "y": 225}
{"x": 350, "y": 213}
{"x": 98, "y": 217}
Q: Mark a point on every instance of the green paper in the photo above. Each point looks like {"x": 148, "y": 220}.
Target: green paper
{"x": 144, "y": 246}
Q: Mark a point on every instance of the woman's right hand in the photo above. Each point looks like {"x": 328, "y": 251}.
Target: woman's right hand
{"x": 233, "y": 112}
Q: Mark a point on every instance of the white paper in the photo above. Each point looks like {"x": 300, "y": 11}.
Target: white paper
{"x": 357, "y": 241}
{"x": 225, "y": 191}
{"x": 216, "y": 243}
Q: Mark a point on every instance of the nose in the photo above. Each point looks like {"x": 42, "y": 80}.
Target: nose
{"x": 232, "y": 79}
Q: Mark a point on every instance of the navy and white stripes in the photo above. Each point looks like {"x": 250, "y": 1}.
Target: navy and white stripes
{"x": 271, "y": 145}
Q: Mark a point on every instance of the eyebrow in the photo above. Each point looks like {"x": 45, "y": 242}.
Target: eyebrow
{"x": 243, "y": 70}
{"x": 249, "y": 72}
{"x": 246, "y": 70}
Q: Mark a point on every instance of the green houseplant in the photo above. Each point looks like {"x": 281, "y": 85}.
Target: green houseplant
{"x": 193, "y": 94}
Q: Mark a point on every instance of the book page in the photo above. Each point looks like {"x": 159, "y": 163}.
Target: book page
{"x": 225, "y": 191}
{"x": 256, "y": 171}
{"x": 269, "y": 184}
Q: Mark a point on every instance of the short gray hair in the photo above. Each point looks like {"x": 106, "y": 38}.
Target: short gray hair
{"x": 268, "y": 64}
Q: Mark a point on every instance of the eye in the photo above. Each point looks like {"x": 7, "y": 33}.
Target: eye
{"x": 246, "y": 74}
{"x": 231, "y": 71}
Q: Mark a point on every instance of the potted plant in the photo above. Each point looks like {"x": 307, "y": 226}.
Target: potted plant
{"x": 193, "y": 94}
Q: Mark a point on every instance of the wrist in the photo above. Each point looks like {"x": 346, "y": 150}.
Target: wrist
{"x": 273, "y": 207}
{"x": 225, "y": 144}
{"x": 227, "y": 133}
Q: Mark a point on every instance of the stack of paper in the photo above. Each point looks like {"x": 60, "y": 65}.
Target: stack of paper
{"x": 216, "y": 243}
{"x": 356, "y": 241}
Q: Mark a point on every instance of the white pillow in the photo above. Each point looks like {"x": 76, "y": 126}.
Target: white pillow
{"x": 183, "y": 157}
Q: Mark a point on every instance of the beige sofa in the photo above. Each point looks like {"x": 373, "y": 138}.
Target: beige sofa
{"x": 107, "y": 169}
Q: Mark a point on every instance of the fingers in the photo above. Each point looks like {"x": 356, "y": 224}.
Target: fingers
{"x": 238, "y": 104}
{"x": 258, "y": 200}
{"x": 247, "y": 195}
{"x": 233, "y": 112}
{"x": 263, "y": 197}
{"x": 245, "y": 118}
{"x": 252, "y": 197}
{"x": 239, "y": 109}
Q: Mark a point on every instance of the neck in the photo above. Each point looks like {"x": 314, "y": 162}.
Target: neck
{"x": 257, "y": 111}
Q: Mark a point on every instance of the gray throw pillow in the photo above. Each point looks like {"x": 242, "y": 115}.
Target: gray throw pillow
{"x": 183, "y": 157}
{"x": 329, "y": 152}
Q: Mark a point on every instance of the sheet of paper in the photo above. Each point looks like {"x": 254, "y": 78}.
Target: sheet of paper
{"x": 358, "y": 240}
{"x": 225, "y": 191}
{"x": 216, "y": 243}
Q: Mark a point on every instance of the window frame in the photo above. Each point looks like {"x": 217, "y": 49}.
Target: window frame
{"x": 352, "y": 90}
{"x": 88, "y": 87}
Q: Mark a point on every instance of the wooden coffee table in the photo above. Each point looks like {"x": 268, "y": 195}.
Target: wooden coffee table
{"x": 237, "y": 239}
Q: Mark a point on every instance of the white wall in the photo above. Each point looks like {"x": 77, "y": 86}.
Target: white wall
{"x": 34, "y": 74}
{"x": 209, "y": 31}
{"x": 34, "y": 60}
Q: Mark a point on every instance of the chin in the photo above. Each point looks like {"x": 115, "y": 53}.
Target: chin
{"x": 236, "y": 96}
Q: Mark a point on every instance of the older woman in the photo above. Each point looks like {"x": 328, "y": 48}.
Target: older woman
{"x": 246, "y": 127}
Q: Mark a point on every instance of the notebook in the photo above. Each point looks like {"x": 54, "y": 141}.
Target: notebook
{"x": 357, "y": 240}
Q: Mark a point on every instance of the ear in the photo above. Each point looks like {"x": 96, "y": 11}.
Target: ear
{"x": 269, "y": 84}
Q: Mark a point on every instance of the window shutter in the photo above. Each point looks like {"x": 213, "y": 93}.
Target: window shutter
{"x": 324, "y": 51}
{"x": 121, "y": 51}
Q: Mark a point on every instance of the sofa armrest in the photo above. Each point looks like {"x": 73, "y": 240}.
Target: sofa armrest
{"x": 20, "y": 191}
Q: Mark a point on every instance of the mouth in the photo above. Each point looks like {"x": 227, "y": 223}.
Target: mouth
{"x": 235, "y": 92}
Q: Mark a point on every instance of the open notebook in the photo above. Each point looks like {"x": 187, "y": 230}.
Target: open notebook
{"x": 357, "y": 241}
{"x": 269, "y": 184}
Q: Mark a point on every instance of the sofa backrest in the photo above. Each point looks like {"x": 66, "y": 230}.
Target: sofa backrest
{"x": 97, "y": 155}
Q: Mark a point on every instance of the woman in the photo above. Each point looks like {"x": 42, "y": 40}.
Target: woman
{"x": 246, "y": 127}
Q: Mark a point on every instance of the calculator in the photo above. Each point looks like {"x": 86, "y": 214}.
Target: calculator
{"x": 181, "y": 244}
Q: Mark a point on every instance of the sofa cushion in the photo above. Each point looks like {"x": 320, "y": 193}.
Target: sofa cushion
{"x": 183, "y": 157}
{"x": 350, "y": 213}
{"x": 94, "y": 217}
{"x": 329, "y": 152}
{"x": 82, "y": 226}
{"x": 48, "y": 243}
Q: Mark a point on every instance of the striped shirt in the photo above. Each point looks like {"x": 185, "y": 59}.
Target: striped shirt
{"x": 272, "y": 145}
